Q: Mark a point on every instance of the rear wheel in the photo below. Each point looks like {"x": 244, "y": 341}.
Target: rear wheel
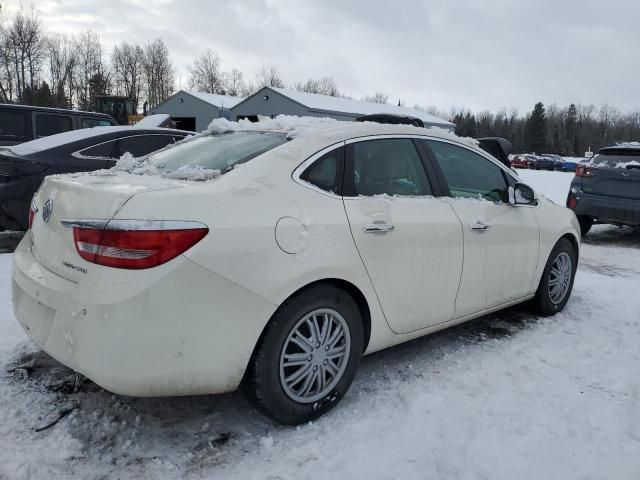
{"x": 556, "y": 283}
{"x": 307, "y": 357}
{"x": 585, "y": 224}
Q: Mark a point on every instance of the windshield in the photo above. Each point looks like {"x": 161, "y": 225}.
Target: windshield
{"x": 618, "y": 158}
{"x": 221, "y": 152}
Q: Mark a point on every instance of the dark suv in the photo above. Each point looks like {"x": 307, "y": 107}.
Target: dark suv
{"x": 22, "y": 123}
{"x": 607, "y": 190}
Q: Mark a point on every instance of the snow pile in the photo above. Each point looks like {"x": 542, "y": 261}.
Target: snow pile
{"x": 135, "y": 165}
{"x": 156, "y": 120}
{"x": 300, "y": 126}
{"x": 631, "y": 164}
{"x": 196, "y": 173}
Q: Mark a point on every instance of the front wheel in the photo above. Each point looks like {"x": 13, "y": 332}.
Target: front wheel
{"x": 556, "y": 283}
{"x": 307, "y": 357}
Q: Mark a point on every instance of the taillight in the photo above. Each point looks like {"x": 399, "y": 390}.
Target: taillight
{"x": 32, "y": 213}
{"x": 572, "y": 202}
{"x": 134, "y": 244}
{"x": 584, "y": 171}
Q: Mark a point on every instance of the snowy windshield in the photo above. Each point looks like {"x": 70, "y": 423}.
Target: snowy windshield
{"x": 622, "y": 158}
{"x": 221, "y": 152}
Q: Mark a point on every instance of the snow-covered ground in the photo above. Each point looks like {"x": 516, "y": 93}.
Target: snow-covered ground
{"x": 507, "y": 396}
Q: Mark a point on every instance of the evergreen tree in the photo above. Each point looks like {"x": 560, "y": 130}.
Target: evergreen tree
{"x": 536, "y": 130}
{"x": 571, "y": 141}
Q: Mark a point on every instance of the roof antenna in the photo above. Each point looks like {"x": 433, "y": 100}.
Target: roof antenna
{"x": 399, "y": 103}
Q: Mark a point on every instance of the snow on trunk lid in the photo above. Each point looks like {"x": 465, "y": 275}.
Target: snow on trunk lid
{"x": 95, "y": 196}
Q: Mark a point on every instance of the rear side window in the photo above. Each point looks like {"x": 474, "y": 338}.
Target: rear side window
{"x": 47, "y": 124}
{"x": 391, "y": 167}
{"x": 93, "y": 122}
{"x": 13, "y": 126}
{"x": 324, "y": 172}
{"x": 141, "y": 145}
{"x": 469, "y": 174}
{"x": 104, "y": 150}
{"x": 220, "y": 152}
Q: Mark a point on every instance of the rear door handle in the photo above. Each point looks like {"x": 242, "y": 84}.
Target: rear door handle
{"x": 379, "y": 227}
{"x": 480, "y": 226}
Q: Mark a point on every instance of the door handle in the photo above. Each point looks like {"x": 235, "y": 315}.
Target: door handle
{"x": 480, "y": 226}
{"x": 379, "y": 227}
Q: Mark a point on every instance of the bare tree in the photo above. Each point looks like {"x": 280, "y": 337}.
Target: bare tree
{"x": 269, "y": 76}
{"x": 90, "y": 76}
{"x": 27, "y": 47}
{"x": 63, "y": 58}
{"x": 159, "y": 73}
{"x": 377, "y": 97}
{"x": 127, "y": 62}
{"x": 205, "y": 74}
{"x": 323, "y": 86}
{"x": 6, "y": 70}
{"x": 234, "y": 82}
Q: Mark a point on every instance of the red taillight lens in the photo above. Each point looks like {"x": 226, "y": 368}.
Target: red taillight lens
{"x": 134, "y": 249}
{"x": 572, "y": 202}
{"x": 584, "y": 171}
{"x": 32, "y": 213}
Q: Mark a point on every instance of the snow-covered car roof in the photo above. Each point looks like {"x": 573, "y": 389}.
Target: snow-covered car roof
{"x": 329, "y": 129}
{"x": 52, "y": 141}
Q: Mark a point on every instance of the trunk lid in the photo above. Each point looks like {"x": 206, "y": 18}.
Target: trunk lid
{"x": 613, "y": 182}
{"x": 96, "y": 196}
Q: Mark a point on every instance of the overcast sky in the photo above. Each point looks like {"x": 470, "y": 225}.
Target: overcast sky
{"x": 480, "y": 54}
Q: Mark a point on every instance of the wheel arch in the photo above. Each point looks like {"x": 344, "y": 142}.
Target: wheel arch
{"x": 351, "y": 289}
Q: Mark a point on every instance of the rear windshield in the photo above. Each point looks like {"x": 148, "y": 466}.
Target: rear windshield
{"x": 620, "y": 158}
{"x": 220, "y": 152}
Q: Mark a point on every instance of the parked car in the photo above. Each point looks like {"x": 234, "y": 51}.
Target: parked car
{"x": 520, "y": 161}
{"x": 537, "y": 162}
{"x": 570, "y": 165}
{"x": 24, "y": 166}
{"x": 329, "y": 242}
{"x": 556, "y": 159}
{"x": 23, "y": 123}
{"x": 607, "y": 190}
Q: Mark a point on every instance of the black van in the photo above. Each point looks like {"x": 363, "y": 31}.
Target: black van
{"x": 22, "y": 123}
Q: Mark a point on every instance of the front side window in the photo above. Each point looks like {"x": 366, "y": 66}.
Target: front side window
{"x": 220, "y": 152}
{"x": 323, "y": 173}
{"x": 468, "y": 174}
{"x": 389, "y": 166}
{"x": 47, "y": 124}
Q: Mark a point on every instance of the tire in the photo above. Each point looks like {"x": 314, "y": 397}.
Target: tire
{"x": 585, "y": 224}
{"x": 265, "y": 384}
{"x": 544, "y": 302}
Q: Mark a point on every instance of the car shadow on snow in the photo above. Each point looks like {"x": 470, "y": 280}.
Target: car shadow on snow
{"x": 205, "y": 431}
{"x": 612, "y": 236}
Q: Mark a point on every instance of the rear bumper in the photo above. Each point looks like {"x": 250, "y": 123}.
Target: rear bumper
{"x": 191, "y": 332}
{"x": 624, "y": 211}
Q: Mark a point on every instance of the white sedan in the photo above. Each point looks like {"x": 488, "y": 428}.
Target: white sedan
{"x": 331, "y": 240}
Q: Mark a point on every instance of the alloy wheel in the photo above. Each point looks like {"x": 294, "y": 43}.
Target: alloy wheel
{"x": 314, "y": 355}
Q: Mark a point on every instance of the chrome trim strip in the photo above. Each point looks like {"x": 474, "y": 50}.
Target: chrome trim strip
{"x": 133, "y": 225}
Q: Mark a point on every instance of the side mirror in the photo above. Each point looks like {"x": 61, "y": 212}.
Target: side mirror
{"x": 522, "y": 194}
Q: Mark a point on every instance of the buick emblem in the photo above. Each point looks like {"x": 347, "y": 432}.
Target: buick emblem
{"x": 47, "y": 209}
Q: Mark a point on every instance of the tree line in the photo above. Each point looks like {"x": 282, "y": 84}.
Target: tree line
{"x": 570, "y": 130}
{"x": 69, "y": 71}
